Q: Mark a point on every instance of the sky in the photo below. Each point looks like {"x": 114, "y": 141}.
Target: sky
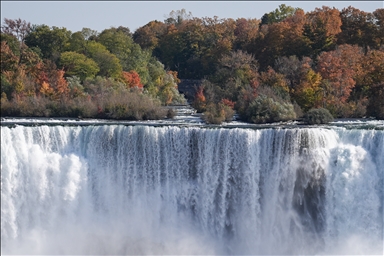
{"x": 100, "y": 15}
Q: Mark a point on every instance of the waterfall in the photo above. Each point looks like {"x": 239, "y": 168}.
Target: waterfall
{"x": 115, "y": 189}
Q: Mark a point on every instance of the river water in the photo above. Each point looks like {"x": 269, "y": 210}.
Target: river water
{"x": 182, "y": 187}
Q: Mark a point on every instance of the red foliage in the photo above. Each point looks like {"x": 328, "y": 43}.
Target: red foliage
{"x": 228, "y": 103}
{"x": 132, "y": 79}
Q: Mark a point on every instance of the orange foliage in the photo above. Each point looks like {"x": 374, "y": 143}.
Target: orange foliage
{"x": 46, "y": 89}
{"x": 174, "y": 74}
{"x": 200, "y": 95}
{"x": 340, "y": 67}
{"x": 61, "y": 85}
{"x": 327, "y": 18}
{"x": 132, "y": 79}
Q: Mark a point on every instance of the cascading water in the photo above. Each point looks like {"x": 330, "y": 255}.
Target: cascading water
{"x": 118, "y": 189}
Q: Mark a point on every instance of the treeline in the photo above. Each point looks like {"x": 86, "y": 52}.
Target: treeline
{"x": 52, "y": 72}
{"x": 271, "y": 69}
{"x": 279, "y": 67}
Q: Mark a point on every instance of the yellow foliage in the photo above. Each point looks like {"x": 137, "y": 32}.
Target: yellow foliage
{"x": 46, "y": 89}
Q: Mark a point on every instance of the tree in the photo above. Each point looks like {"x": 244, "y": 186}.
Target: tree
{"x": 293, "y": 69}
{"x": 357, "y": 27}
{"x": 88, "y": 34}
{"x": 149, "y": 35}
{"x": 77, "y": 43}
{"x": 19, "y": 28}
{"x": 108, "y": 63}
{"x": 9, "y": 61}
{"x": 246, "y": 30}
{"x": 279, "y": 14}
{"x": 308, "y": 93}
{"x": 130, "y": 54}
{"x": 276, "y": 82}
{"x": 76, "y": 64}
{"x": 50, "y": 41}
{"x": 376, "y": 101}
{"x": 379, "y": 17}
{"x": 12, "y": 42}
{"x": 177, "y": 17}
{"x": 132, "y": 79}
{"x": 117, "y": 42}
{"x": 322, "y": 26}
{"x": 234, "y": 71}
{"x": 339, "y": 68}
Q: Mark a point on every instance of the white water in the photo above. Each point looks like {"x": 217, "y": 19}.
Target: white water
{"x": 170, "y": 190}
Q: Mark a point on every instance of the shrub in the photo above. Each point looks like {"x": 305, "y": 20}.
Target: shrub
{"x": 31, "y": 106}
{"x": 171, "y": 113}
{"x": 218, "y": 113}
{"x": 264, "y": 109}
{"x": 318, "y": 116}
{"x": 127, "y": 105}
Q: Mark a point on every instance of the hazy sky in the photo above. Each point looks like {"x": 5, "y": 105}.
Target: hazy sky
{"x": 100, "y": 15}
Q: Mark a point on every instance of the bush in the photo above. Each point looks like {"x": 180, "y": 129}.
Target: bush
{"x": 171, "y": 113}
{"x": 264, "y": 109}
{"x": 127, "y": 105}
{"x": 218, "y": 113}
{"x": 30, "y": 106}
{"x": 318, "y": 116}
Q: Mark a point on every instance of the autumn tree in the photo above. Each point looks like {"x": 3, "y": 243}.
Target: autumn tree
{"x": 322, "y": 27}
{"x": 358, "y": 27}
{"x": 308, "y": 93}
{"x": 245, "y": 32}
{"x": 148, "y": 36}
{"x": 132, "y": 79}
{"x": 234, "y": 71}
{"x": 9, "y": 61}
{"x": 276, "y": 81}
{"x": 369, "y": 84}
{"x": 12, "y": 42}
{"x": 303, "y": 82}
{"x": 379, "y": 17}
{"x": 339, "y": 68}
{"x": 376, "y": 101}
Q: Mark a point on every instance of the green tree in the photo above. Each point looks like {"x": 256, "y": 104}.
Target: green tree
{"x": 108, "y": 63}
{"x": 12, "y": 42}
{"x": 119, "y": 42}
{"x": 77, "y": 64}
{"x": 77, "y": 43}
{"x": 51, "y": 41}
{"x": 279, "y": 14}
